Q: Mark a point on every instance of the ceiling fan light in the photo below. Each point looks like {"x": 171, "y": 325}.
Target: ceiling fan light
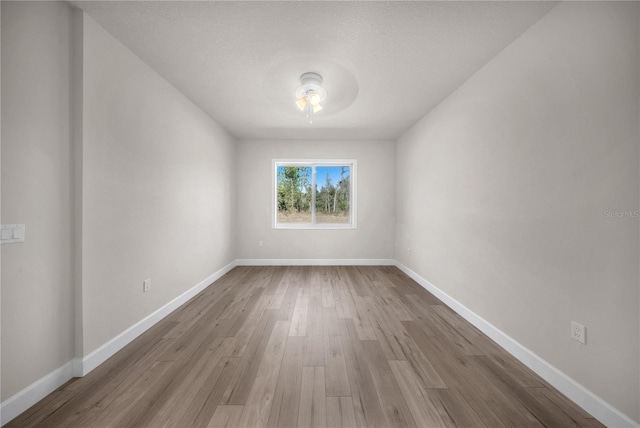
{"x": 301, "y": 103}
{"x": 310, "y": 93}
{"x": 314, "y": 98}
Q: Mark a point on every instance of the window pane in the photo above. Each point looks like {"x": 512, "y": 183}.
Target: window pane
{"x": 294, "y": 194}
{"x": 333, "y": 194}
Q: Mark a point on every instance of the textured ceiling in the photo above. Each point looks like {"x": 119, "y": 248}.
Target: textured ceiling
{"x": 385, "y": 64}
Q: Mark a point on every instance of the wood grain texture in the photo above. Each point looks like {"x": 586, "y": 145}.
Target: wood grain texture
{"x": 286, "y": 402}
{"x": 415, "y": 394}
{"x": 340, "y": 412}
{"x": 258, "y": 403}
{"x": 313, "y": 408}
{"x": 335, "y": 368}
{"x": 302, "y": 346}
{"x": 226, "y": 417}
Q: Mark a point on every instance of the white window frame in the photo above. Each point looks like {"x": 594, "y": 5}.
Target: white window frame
{"x": 352, "y": 163}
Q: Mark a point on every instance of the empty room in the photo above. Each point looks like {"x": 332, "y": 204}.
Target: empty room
{"x": 320, "y": 214}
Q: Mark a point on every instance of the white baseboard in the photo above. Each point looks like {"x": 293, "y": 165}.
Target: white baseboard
{"x": 594, "y": 405}
{"x": 79, "y": 367}
{"x": 18, "y": 403}
{"x": 104, "y": 352}
{"x": 316, "y": 262}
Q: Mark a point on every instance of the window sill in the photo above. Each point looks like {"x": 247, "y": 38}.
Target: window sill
{"x": 304, "y": 226}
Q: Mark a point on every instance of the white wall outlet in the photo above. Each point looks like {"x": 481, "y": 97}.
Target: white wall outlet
{"x": 260, "y": 243}
{"x": 146, "y": 285}
{"x": 578, "y": 332}
{"x": 408, "y": 251}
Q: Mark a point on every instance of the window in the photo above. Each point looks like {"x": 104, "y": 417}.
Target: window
{"x": 314, "y": 194}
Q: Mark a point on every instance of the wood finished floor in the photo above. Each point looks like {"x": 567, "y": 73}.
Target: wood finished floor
{"x": 309, "y": 347}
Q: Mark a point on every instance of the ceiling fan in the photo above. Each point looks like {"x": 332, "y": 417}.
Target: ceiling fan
{"x": 310, "y": 94}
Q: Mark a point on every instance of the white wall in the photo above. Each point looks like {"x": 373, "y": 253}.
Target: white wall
{"x": 37, "y": 286}
{"x": 503, "y": 189}
{"x": 375, "y": 234}
{"x": 157, "y": 190}
{"x": 118, "y": 178}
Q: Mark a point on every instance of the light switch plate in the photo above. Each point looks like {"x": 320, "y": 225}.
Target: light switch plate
{"x": 12, "y": 233}
{"x": 6, "y": 233}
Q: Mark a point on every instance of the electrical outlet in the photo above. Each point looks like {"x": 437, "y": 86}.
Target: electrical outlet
{"x": 260, "y": 243}
{"x": 578, "y": 332}
{"x": 408, "y": 251}
{"x": 146, "y": 285}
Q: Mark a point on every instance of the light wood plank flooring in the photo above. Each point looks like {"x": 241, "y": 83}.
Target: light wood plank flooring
{"x": 309, "y": 347}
